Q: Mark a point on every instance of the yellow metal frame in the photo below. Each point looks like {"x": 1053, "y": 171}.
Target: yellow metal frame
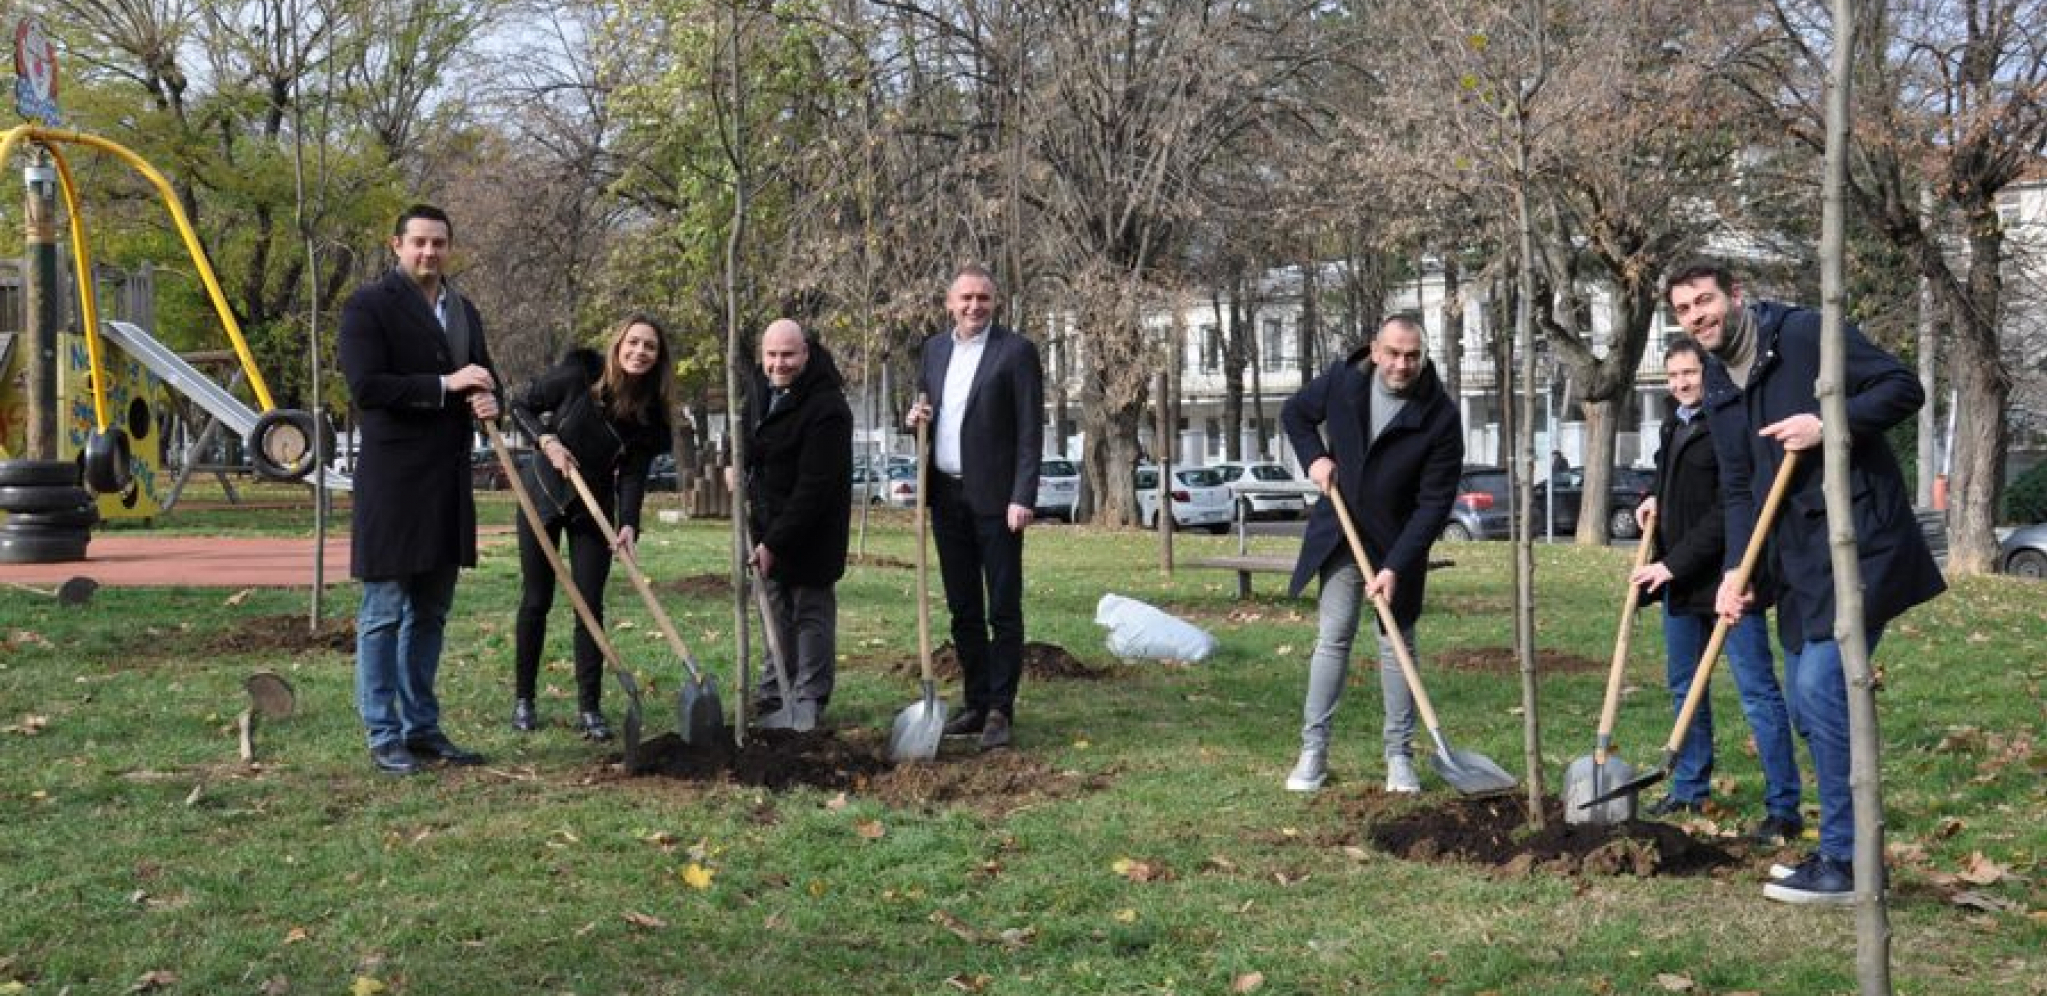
{"x": 81, "y": 253}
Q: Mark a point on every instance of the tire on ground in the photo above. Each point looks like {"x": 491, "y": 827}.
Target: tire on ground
{"x": 38, "y": 473}
{"x": 64, "y": 518}
{"x": 51, "y": 498}
{"x": 39, "y": 546}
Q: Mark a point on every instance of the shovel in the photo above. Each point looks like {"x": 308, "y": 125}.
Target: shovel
{"x": 793, "y": 715}
{"x": 699, "y": 715}
{"x": 270, "y": 697}
{"x": 1467, "y": 771}
{"x": 626, "y": 682}
{"x": 1590, "y": 775}
{"x": 1707, "y": 657}
{"x": 921, "y": 724}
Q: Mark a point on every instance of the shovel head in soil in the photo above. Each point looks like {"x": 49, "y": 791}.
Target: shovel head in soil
{"x": 632, "y": 724}
{"x": 1630, "y": 787}
{"x": 918, "y": 728}
{"x": 1469, "y": 772}
{"x": 699, "y": 713}
{"x": 1587, "y": 779}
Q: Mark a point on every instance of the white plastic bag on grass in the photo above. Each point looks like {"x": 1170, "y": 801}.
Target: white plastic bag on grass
{"x": 1139, "y": 630}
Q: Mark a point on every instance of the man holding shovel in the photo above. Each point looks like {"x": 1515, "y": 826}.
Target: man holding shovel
{"x": 799, "y": 467}
{"x": 1379, "y": 426}
{"x": 1690, "y": 540}
{"x": 1761, "y": 404}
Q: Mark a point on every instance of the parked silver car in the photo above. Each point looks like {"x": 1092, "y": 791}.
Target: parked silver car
{"x": 2024, "y": 552}
{"x": 1058, "y": 488}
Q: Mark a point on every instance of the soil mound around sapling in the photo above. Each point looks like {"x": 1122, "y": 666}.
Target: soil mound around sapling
{"x": 879, "y": 560}
{"x": 698, "y": 585}
{"x": 1501, "y": 660}
{"x": 284, "y": 634}
{"x": 856, "y": 761}
{"x": 1040, "y": 660}
{"x": 1495, "y": 831}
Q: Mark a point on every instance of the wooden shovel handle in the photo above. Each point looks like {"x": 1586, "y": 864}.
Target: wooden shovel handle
{"x": 639, "y": 577}
{"x": 1386, "y": 621}
{"x": 1765, "y": 518}
{"x": 554, "y": 556}
{"x": 923, "y": 568}
{"x": 1631, "y": 599}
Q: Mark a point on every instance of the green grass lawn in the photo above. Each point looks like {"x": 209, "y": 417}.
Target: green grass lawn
{"x": 133, "y": 841}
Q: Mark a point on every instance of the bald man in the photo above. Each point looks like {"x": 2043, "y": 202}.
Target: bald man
{"x": 799, "y": 467}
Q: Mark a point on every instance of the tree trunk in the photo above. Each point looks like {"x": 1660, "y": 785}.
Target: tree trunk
{"x": 1233, "y": 374}
{"x": 1452, "y": 332}
{"x": 1983, "y": 387}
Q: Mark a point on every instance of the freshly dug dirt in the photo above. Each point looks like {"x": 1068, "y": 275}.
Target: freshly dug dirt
{"x": 1494, "y": 832}
{"x": 287, "y": 634}
{"x": 1500, "y": 660}
{"x": 1047, "y": 661}
{"x": 856, "y": 761}
{"x": 879, "y": 560}
{"x": 698, "y": 585}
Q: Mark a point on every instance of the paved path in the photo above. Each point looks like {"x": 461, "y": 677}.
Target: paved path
{"x": 141, "y": 560}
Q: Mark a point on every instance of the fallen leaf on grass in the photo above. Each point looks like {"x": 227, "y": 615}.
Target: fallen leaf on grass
{"x": 11, "y": 987}
{"x": 697, "y": 876}
{"x": 645, "y": 921}
{"x": 239, "y": 597}
{"x": 1982, "y": 870}
{"x": 295, "y": 935}
{"x": 1247, "y": 982}
{"x": 153, "y": 981}
{"x": 958, "y": 927}
{"x": 29, "y": 726}
{"x": 276, "y": 985}
{"x": 1126, "y": 916}
{"x": 365, "y": 986}
{"x": 1675, "y": 983}
{"x": 836, "y": 803}
{"x": 1141, "y": 871}
{"x": 870, "y": 829}
{"x": 1218, "y": 863}
{"x": 1983, "y": 902}
{"x": 1017, "y": 937}
{"x": 968, "y": 983}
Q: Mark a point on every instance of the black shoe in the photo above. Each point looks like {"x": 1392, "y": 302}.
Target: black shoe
{"x": 593, "y": 726}
{"x": 1819, "y": 881}
{"x": 1671, "y": 805}
{"x": 394, "y": 759}
{"x": 437, "y": 745}
{"x": 1777, "y": 831}
{"x": 967, "y": 723}
{"x": 995, "y": 732}
{"x": 524, "y": 718}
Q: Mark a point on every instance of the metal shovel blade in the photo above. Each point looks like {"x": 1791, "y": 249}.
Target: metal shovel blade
{"x": 918, "y": 728}
{"x": 632, "y": 725}
{"x": 1585, "y": 780}
{"x": 1631, "y": 787}
{"x": 699, "y": 714}
{"x": 1469, "y": 772}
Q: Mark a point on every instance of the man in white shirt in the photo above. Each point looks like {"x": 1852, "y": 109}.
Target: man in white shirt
{"x": 985, "y": 401}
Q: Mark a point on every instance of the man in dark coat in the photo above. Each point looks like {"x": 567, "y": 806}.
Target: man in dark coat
{"x": 1761, "y": 403}
{"x": 984, "y": 393}
{"x": 414, "y": 354}
{"x": 1381, "y": 428}
{"x": 1689, "y": 538}
{"x": 799, "y": 471}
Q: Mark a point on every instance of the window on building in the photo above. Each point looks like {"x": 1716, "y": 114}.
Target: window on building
{"x": 1212, "y": 436}
{"x": 1211, "y": 349}
{"x": 1273, "y": 347}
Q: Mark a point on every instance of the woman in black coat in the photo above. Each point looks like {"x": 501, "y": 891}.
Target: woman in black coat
{"x": 608, "y": 418}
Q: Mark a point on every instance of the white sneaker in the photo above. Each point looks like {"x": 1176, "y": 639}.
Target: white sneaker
{"x": 1309, "y": 772}
{"x": 1400, "y": 776}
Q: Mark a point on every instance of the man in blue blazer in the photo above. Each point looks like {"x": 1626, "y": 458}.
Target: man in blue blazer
{"x": 1761, "y": 404}
{"x": 1380, "y": 426}
{"x": 413, "y": 351}
{"x": 984, "y": 392}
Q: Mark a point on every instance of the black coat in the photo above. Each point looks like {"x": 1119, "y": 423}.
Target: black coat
{"x": 1004, "y": 431}
{"x": 413, "y": 509}
{"x": 612, "y": 454}
{"x": 1898, "y": 571}
{"x": 1691, "y": 521}
{"x": 799, "y": 467}
{"x": 1399, "y": 493}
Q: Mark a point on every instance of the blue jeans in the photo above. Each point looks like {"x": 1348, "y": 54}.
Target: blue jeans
{"x": 1342, "y": 601}
{"x": 1762, "y": 701}
{"x": 397, "y": 653}
{"x": 1819, "y": 705}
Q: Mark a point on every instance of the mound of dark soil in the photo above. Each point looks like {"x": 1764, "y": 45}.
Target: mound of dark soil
{"x": 1495, "y": 832}
{"x": 856, "y": 761}
{"x": 287, "y": 634}
{"x": 698, "y": 585}
{"x": 879, "y": 560}
{"x": 1043, "y": 661}
{"x": 1500, "y": 660}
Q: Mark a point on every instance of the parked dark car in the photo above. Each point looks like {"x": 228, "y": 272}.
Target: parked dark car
{"x": 486, "y": 473}
{"x": 1627, "y": 489}
{"x": 661, "y": 473}
{"x": 1481, "y": 508}
{"x": 2024, "y": 552}
{"x": 1482, "y": 503}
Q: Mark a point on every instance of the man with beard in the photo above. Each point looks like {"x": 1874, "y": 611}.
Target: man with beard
{"x": 1761, "y": 404}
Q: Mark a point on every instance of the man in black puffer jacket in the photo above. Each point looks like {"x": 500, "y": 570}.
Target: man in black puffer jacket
{"x": 799, "y": 472}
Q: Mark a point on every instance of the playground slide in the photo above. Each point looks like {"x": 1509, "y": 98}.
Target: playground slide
{"x": 187, "y": 380}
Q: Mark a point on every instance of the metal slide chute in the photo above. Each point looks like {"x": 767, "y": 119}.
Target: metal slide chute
{"x": 282, "y": 442}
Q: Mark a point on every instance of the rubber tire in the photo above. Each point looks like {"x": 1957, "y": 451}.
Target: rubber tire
{"x": 1218, "y": 528}
{"x": 38, "y": 474}
{"x": 43, "y": 499}
{"x": 41, "y": 548}
{"x": 82, "y": 517}
{"x": 1621, "y": 524}
{"x": 282, "y": 420}
{"x": 2027, "y": 564}
{"x": 108, "y": 469}
{"x": 1455, "y": 532}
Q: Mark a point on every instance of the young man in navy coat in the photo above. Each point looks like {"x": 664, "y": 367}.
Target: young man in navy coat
{"x": 985, "y": 394}
{"x": 413, "y": 351}
{"x": 1380, "y": 426}
{"x": 1760, "y": 401}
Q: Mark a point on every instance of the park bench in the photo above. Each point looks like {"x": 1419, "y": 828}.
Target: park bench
{"x": 1247, "y": 564}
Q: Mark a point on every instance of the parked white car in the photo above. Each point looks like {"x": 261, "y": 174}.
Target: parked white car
{"x": 1200, "y": 498}
{"x": 1058, "y": 488}
{"x": 1267, "y": 490}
